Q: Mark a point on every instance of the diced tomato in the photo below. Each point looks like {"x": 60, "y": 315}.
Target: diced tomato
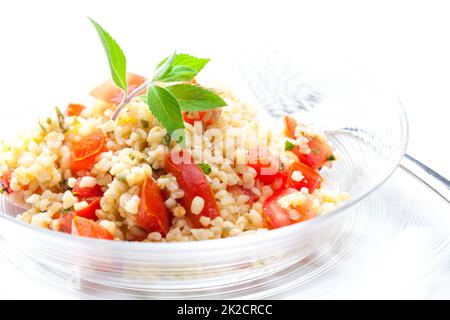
{"x": 268, "y": 167}
{"x": 311, "y": 178}
{"x": 109, "y": 92}
{"x": 87, "y": 192}
{"x": 85, "y": 151}
{"x": 319, "y": 154}
{"x": 277, "y": 216}
{"x": 74, "y": 109}
{"x": 320, "y": 149}
{"x": 192, "y": 181}
{"x": 152, "y": 214}
{"x": 204, "y": 116}
{"x": 88, "y": 228}
{"x": 89, "y": 211}
{"x": 65, "y": 223}
{"x": 237, "y": 190}
{"x": 5, "y": 181}
{"x": 289, "y": 126}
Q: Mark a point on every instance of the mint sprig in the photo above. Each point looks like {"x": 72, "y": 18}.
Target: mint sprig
{"x": 166, "y": 96}
{"x": 116, "y": 58}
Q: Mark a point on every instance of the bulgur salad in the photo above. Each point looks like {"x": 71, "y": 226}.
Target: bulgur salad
{"x": 165, "y": 159}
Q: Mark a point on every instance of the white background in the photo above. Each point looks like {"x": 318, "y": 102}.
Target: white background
{"x": 50, "y": 54}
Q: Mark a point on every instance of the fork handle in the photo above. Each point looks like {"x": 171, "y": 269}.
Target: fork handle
{"x": 428, "y": 176}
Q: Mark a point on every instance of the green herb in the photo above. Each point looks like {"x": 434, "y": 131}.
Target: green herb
{"x": 48, "y": 120}
{"x": 316, "y": 151}
{"x": 206, "y": 168}
{"x": 2, "y": 191}
{"x": 145, "y": 124}
{"x": 179, "y": 73}
{"x": 166, "y": 139}
{"x": 182, "y": 67}
{"x": 63, "y": 184}
{"x": 331, "y": 157}
{"x": 165, "y": 108}
{"x": 288, "y": 146}
{"x": 194, "y": 98}
{"x": 165, "y": 101}
{"x": 66, "y": 211}
{"x": 60, "y": 118}
{"x": 164, "y": 67}
{"x": 44, "y": 129}
{"x": 116, "y": 58}
{"x": 121, "y": 177}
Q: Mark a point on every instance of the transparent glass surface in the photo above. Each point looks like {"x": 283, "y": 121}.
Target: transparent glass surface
{"x": 319, "y": 91}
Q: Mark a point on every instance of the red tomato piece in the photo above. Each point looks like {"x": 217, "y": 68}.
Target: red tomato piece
{"x": 109, "y": 92}
{"x": 320, "y": 149}
{"x": 311, "y": 178}
{"x": 278, "y": 216}
{"x": 5, "y": 181}
{"x": 87, "y": 192}
{"x": 289, "y": 126}
{"x": 89, "y": 211}
{"x": 74, "y": 109}
{"x": 237, "y": 190}
{"x": 268, "y": 167}
{"x": 319, "y": 154}
{"x": 65, "y": 223}
{"x": 192, "y": 116}
{"x": 85, "y": 151}
{"x": 88, "y": 228}
{"x": 152, "y": 214}
{"x": 193, "y": 181}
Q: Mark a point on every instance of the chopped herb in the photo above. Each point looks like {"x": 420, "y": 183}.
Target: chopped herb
{"x": 288, "y": 146}
{"x": 42, "y": 127}
{"x": 2, "y": 190}
{"x": 66, "y": 211}
{"x": 145, "y": 123}
{"x": 121, "y": 177}
{"x": 166, "y": 139}
{"x": 316, "y": 151}
{"x": 60, "y": 118}
{"x": 63, "y": 184}
{"x": 49, "y": 120}
{"x": 331, "y": 157}
{"x": 206, "y": 168}
{"x": 180, "y": 139}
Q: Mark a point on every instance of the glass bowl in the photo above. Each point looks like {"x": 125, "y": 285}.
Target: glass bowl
{"x": 366, "y": 125}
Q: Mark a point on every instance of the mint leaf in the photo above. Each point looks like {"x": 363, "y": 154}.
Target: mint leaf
{"x": 165, "y": 108}
{"x": 179, "y": 73}
{"x": 116, "y": 58}
{"x": 174, "y": 73}
{"x": 164, "y": 67}
{"x": 194, "y": 98}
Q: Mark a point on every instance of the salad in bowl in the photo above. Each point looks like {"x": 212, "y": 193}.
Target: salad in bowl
{"x": 165, "y": 158}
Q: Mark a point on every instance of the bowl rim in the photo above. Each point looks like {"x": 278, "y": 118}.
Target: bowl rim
{"x": 241, "y": 242}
